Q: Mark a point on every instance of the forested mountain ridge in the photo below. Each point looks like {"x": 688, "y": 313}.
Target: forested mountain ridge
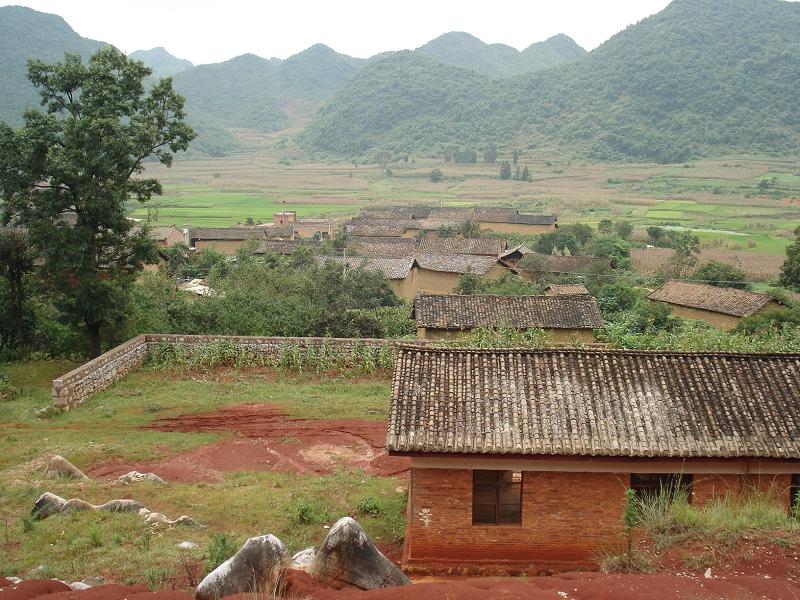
{"x": 700, "y": 77}
{"x": 24, "y": 34}
{"x": 465, "y": 50}
{"x": 161, "y": 62}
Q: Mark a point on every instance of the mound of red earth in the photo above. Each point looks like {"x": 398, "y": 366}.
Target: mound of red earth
{"x": 268, "y": 440}
{"x": 574, "y": 586}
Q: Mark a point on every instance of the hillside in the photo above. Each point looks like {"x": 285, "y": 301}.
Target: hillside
{"x": 465, "y": 50}
{"x": 701, "y": 77}
{"x": 161, "y": 61}
{"x": 24, "y": 34}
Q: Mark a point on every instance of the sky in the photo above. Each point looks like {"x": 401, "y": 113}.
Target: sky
{"x": 205, "y": 32}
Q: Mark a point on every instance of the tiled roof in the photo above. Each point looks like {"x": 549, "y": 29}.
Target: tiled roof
{"x": 495, "y": 215}
{"x": 272, "y": 232}
{"x": 728, "y": 301}
{"x": 160, "y": 233}
{"x": 519, "y": 312}
{"x": 567, "y": 289}
{"x": 284, "y": 246}
{"x": 385, "y": 247}
{"x": 456, "y": 263}
{"x": 595, "y": 403}
{"x": 393, "y": 268}
{"x": 379, "y": 227}
{"x": 482, "y": 246}
{"x": 225, "y": 233}
{"x": 535, "y": 220}
{"x": 520, "y": 249}
{"x": 545, "y": 263}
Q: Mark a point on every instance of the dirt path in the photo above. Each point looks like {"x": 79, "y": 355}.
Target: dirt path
{"x": 268, "y": 440}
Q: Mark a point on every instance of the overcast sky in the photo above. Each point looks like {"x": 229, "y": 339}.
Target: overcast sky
{"x": 205, "y": 31}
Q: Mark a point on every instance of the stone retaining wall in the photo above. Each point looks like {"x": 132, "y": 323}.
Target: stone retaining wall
{"x": 99, "y": 374}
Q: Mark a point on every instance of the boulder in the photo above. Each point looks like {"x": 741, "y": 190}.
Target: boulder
{"x": 348, "y": 556}
{"x": 155, "y": 518}
{"x": 255, "y": 567}
{"x": 79, "y": 586}
{"x": 60, "y": 468}
{"x": 49, "y": 504}
{"x": 303, "y": 559}
{"x": 135, "y": 476}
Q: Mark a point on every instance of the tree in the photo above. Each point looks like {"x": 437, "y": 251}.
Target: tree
{"x": 790, "y": 271}
{"x": 623, "y": 229}
{"x": 687, "y": 248}
{"x": 490, "y": 153}
{"x": 436, "y": 175}
{"x": 81, "y": 159}
{"x": 515, "y": 156}
{"x": 556, "y": 240}
{"x": 505, "y": 170}
{"x": 470, "y": 229}
{"x": 721, "y": 274}
{"x": 526, "y": 174}
{"x": 656, "y": 233}
{"x": 517, "y": 174}
{"x": 16, "y": 263}
{"x": 606, "y": 227}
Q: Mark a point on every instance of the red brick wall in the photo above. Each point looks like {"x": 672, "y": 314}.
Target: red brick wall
{"x": 708, "y": 487}
{"x": 566, "y": 519}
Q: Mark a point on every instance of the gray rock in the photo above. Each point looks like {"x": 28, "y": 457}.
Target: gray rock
{"x": 155, "y": 518}
{"x": 187, "y": 545}
{"x": 255, "y": 567}
{"x": 49, "y": 504}
{"x": 60, "y": 468}
{"x": 348, "y": 556}
{"x": 135, "y": 476}
{"x": 302, "y": 560}
{"x": 78, "y": 586}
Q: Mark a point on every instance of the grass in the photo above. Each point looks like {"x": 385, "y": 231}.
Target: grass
{"x": 108, "y": 426}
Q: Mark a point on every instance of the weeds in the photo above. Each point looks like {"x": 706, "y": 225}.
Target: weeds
{"x": 28, "y": 523}
{"x": 157, "y": 577}
{"x": 95, "y": 539}
{"x": 287, "y": 356}
{"x": 219, "y": 549}
{"x": 369, "y": 507}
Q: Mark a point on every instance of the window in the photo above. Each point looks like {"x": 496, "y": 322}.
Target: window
{"x": 496, "y": 497}
{"x": 648, "y": 485}
{"x": 794, "y": 495}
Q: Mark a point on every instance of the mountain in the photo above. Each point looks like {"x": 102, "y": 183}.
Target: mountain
{"x": 161, "y": 61}
{"x": 265, "y": 95}
{"x": 701, "y": 77}
{"x": 24, "y": 34}
{"x": 465, "y": 50}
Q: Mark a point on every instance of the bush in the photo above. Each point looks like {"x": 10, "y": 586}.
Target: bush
{"x": 219, "y": 549}
{"x": 7, "y": 391}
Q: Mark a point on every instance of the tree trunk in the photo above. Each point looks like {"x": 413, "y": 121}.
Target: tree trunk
{"x": 93, "y": 330}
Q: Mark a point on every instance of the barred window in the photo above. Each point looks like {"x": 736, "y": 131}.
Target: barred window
{"x": 496, "y": 497}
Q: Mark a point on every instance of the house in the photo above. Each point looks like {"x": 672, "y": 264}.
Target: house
{"x": 533, "y": 266}
{"x": 396, "y": 270}
{"x": 720, "y": 307}
{"x": 480, "y": 246}
{"x": 520, "y": 458}
{"x": 513, "y": 256}
{"x": 566, "y": 289}
{"x": 304, "y": 228}
{"x": 223, "y": 239}
{"x": 566, "y": 318}
{"x": 167, "y": 235}
{"x": 389, "y": 247}
{"x": 369, "y": 227}
{"x": 439, "y": 273}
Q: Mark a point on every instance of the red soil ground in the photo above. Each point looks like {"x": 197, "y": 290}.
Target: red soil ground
{"x": 570, "y": 586}
{"x": 268, "y": 440}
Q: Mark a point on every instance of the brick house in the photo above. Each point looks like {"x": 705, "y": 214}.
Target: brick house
{"x": 720, "y": 307}
{"x": 223, "y": 239}
{"x": 566, "y": 318}
{"x": 520, "y": 459}
{"x": 396, "y": 270}
{"x": 480, "y": 246}
{"x": 303, "y": 228}
{"x": 439, "y": 273}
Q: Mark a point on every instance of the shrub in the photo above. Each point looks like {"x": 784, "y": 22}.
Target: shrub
{"x": 219, "y": 549}
{"x": 367, "y": 506}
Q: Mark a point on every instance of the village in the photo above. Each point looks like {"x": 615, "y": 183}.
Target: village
{"x": 414, "y": 318}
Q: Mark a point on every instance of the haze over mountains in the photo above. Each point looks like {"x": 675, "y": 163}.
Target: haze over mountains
{"x": 701, "y": 77}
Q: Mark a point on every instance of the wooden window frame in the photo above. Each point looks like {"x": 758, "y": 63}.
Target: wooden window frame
{"x": 684, "y": 480}
{"x": 497, "y": 504}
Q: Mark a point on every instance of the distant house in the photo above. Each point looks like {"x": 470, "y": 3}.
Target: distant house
{"x": 480, "y": 246}
{"x": 533, "y": 266}
{"x": 396, "y": 270}
{"x": 566, "y": 318}
{"x": 520, "y": 459}
{"x": 389, "y": 247}
{"x": 167, "y": 235}
{"x": 223, "y": 239}
{"x": 513, "y": 256}
{"x": 720, "y": 307}
{"x": 370, "y": 227}
{"x": 566, "y": 289}
{"x": 304, "y": 228}
{"x": 439, "y": 273}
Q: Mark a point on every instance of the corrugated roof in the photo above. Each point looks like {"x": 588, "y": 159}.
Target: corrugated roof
{"x": 595, "y": 403}
{"x": 481, "y": 246}
{"x": 393, "y": 268}
{"x": 456, "y": 263}
{"x": 518, "y": 312}
{"x": 728, "y": 301}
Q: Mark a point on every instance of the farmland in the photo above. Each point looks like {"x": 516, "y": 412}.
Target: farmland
{"x": 721, "y": 200}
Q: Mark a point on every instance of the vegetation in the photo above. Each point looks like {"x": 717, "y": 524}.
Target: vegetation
{"x": 78, "y": 161}
{"x": 790, "y": 272}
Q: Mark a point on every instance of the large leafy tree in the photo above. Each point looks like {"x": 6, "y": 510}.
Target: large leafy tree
{"x": 69, "y": 172}
{"x": 790, "y": 271}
